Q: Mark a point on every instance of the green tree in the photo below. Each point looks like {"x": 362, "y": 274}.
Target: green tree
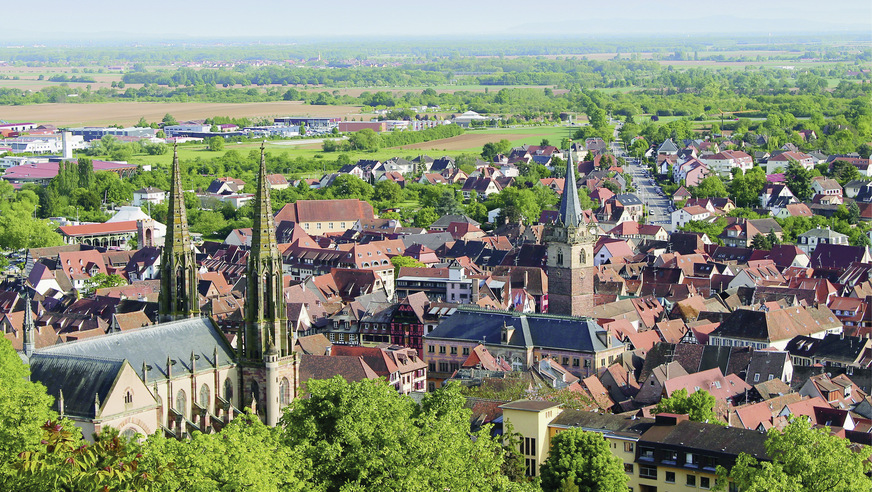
{"x": 387, "y": 191}
{"x": 699, "y": 406}
{"x": 350, "y": 186}
{"x": 400, "y": 261}
{"x": 517, "y": 205}
{"x": 169, "y": 120}
{"x": 216, "y": 144}
{"x": 366, "y": 436}
{"x": 103, "y": 280}
{"x": 447, "y": 203}
{"x": 24, "y": 408}
{"x": 142, "y": 123}
{"x": 843, "y": 171}
{"x": 491, "y": 149}
{"x": 583, "y": 460}
{"x": 798, "y": 179}
{"x": 804, "y": 459}
{"x": 759, "y": 241}
{"x": 710, "y": 187}
{"x": 425, "y": 216}
{"x": 366, "y": 140}
{"x": 233, "y": 459}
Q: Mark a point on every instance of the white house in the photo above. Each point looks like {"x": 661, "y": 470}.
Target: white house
{"x": 808, "y": 241}
{"x": 687, "y": 214}
{"x": 151, "y": 195}
{"x": 724, "y": 162}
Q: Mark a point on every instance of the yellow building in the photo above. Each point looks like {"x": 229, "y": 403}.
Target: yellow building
{"x": 666, "y": 454}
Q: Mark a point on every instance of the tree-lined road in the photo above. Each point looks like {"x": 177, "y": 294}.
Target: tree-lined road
{"x": 659, "y": 206}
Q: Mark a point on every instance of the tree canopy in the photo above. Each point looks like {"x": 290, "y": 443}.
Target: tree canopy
{"x": 699, "y": 406}
{"x": 582, "y": 460}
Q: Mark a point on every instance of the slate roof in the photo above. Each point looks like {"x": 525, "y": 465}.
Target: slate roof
{"x": 153, "y": 345}
{"x": 80, "y": 377}
{"x": 603, "y": 422}
{"x": 709, "y": 438}
{"x": 545, "y": 331}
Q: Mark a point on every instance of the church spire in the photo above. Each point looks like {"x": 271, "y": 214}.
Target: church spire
{"x": 265, "y": 310}
{"x": 29, "y": 327}
{"x": 570, "y": 206}
{"x": 178, "y": 271}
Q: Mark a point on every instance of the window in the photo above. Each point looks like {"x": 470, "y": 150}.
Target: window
{"x": 531, "y": 467}
{"x": 431, "y": 349}
{"x": 648, "y": 472}
{"x": 646, "y": 454}
{"x": 628, "y": 468}
{"x": 671, "y": 456}
{"x": 690, "y": 459}
{"x": 181, "y": 402}
{"x": 128, "y": 397}
{"x": 566, "y": 361}
{"x": 204, "y": 396}
{"x": 575, "y": 362}
{"x": 529, "y": 446}
{"x": 756, "y": 377}
{"x": 443, "y": 367}
{"x": 628, "y": 447}
{"x": 587, "y": 363}
{"x": 453, "y": 350}
{"x": 442, "y": 349}
{"x": 431, "y": 366}
{"x": 465, "y": 350}
{"x": 670, "y": 477}
{"x": 284, "y": 392}
{"x": 691, "y": 480}
{"x": 705, "y": 482}
{"x": 228, "y": 390}
{"x": 602, "y": 362}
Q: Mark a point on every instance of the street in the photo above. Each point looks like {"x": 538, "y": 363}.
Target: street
{"x": 659, "y": 206}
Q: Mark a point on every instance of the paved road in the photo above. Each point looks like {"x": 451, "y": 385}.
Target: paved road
{"x": 646, "y": 188}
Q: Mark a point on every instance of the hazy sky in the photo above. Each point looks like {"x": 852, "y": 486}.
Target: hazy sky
{"x": 295, "y": 19}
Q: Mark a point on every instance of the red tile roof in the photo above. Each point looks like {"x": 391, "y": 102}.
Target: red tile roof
{"x": 98, "y": 229}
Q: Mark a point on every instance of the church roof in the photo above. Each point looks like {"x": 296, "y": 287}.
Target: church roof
{"x": 80, "y": 377}
{"x": 153, "y": 345}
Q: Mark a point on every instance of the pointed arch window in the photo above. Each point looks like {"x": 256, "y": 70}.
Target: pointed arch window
{"x": 284, "y": 392}
{"x": 228, "y": 390}
{"x": 181, "y": 403}
{"x": 560, "y": 257}
{"x": 205, "y": 395}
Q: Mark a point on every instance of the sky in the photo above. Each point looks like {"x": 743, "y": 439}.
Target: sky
{"x": 303, "y": 19}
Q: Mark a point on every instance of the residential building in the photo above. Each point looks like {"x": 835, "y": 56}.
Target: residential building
{"x": 150, "y": 195}
{"x": 808, "y": 241}
{"x": 681, "y": 217}
{"x": 325, "y": 216}
{"x": 723, "y": 163}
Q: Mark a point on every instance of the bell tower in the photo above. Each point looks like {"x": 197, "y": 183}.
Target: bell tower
{"x": 265, "y": 347}
{"x": 178, "y": 269}
{"x": 570, "y": 254}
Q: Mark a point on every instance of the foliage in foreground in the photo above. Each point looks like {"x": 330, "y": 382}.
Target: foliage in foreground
{"x": 582, "y": 461}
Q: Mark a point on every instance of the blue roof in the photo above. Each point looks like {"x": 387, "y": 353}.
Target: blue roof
{"x": 153, "y": 345}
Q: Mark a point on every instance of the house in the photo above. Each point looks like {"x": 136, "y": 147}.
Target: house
{"x": 482, "y": 187}
{"x": 579, "y": 344}
{"x": 225, "y": 186}
{"x": 838, "y": 256}
{"x": 723, "y": 163}
{"x": 740, "y": 232}
{"x": 773, "y": 327}
{"x": 808, "y": 241}
{"x": 433, "y": 179}
{"x": 783, "y": 159}
{"x": 667, "y": 148}
{"x": 149, "y": 195}
{"x": 680, "y": 194}
{"x": 400, "y": 366}
{"x": 794, "y": 210}
{"x": 681, "y": 217}
{"x": 776, "y": 196}
{"x": 324, "y": 216}
{"x": 635, "y": 230}
{"x": 607, "y": 249}
{"x": 277, "y": 181}
{"x": 839, "y": 391}
{"x": 826, "y": 186}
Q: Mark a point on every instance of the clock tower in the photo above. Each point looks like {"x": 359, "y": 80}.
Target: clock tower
{"x": 570, "y": 254}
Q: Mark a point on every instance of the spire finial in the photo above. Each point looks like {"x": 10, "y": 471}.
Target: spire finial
{"x": 570, "y": 212}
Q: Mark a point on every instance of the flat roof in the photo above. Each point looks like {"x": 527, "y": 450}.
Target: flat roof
{"x": 529, "y": 405}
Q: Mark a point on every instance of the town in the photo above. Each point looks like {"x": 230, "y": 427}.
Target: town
{"x": 691, "y": 298}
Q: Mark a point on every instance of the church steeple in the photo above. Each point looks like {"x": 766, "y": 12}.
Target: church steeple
{"x": 29, "y": 328}
{"x": 265, "y": 310}
{"x": 178, "y": 269}
{"x": 570, "y": 206}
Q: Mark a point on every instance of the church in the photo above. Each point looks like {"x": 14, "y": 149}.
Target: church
{"x": 181, "y": 375}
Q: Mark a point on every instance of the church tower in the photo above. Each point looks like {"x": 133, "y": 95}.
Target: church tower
{"x": 269, "y": 366}
{"x": 178, "y": 269}
{"x": 570, "y": 254}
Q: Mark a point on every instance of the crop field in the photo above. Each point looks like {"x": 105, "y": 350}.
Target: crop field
{"x": 128, "y": 113}
{"x": 474, "y": 140}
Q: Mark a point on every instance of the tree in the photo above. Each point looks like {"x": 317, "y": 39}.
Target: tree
{"x": 516, "y": 205}
{"x": 216, "y": 144}
{"x": 425, "y": 216}
{"x": 24, "y": 408}
{"x": 350, "y": 186}
{"x": 142, "y": 123}
{"x": 491, "y": 149}
{"x": 699, "y": 406}
{"x": 583, "y": 460}
{"x": 233, "y": 459}
{"x": 746, "y": 188}
{"x": 366, "y": 140}
{"x": 387, "y": 191}
{"x": 447, "y": 203}
{"x": 843, "y": 171}
{"x": 798, "y": 180}
{"x": 400, "y": 261}
{"x": 804, "y": 459}
{"x": 168, "y": 120}
{"x": 759, "y": 241}
{"x": 710, "y": 187}
{"x": 103, "y": 280}
{"x": 367, "y": 436}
